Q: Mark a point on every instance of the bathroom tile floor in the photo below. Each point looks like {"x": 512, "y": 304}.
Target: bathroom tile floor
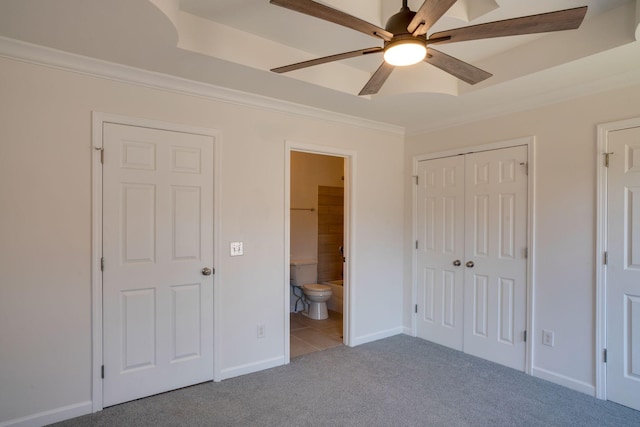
{"x": 308, "y": 335}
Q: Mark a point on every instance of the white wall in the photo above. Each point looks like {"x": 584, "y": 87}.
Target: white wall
{"x": 45, "y": 226}
{"x": 565, "y": 164}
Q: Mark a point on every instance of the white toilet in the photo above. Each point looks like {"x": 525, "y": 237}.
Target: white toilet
{"x": 304, "y": 274}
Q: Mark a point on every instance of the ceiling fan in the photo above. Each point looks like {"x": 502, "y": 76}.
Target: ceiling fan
{"x": 406, "y": 41}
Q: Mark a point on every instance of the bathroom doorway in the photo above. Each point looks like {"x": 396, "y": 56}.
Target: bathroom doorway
{"x": 318, "y": 189}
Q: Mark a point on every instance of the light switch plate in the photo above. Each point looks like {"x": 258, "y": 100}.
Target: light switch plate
{"x": 236, "y": 248}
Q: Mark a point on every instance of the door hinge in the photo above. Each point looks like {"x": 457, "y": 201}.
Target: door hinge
{"x": 101, "y": 264}
{"x": 102, "y": 372}
{"x": 606, "y": 158}
{"x": 101, "y": 150}
{"x": 526, "y": 252}
{"x": 416, "y": 244}
{"x": 604, "y": 356}
{"x": 415, "y": 309}
{"x": 606, "y": 258}
{"x": 525, "y": 336}
{"x": 416, "y": 177}
{"x": 526, "y": 167}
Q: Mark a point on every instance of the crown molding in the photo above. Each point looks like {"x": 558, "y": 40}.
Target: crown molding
{"x": 510, "y": 103}
{"x": 53, "y": 58}
{"x": 628, "y": 79}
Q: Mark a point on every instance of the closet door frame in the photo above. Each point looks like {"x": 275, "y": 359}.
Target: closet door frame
{"x": 530, "y": 143}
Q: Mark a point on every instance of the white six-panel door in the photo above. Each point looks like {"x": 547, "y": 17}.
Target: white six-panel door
{"x": 495, "y": 263}
{"x": 471, "y": 269}
{"x": 157, "y": 239}
{"x": 623, "y": 268}
{"x": 440, "y": 277}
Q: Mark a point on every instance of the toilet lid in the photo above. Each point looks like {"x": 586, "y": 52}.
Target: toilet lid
{"x": 317, "y": 287}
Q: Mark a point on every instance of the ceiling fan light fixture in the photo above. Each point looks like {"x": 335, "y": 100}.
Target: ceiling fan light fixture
{"x": 405, "y": 52}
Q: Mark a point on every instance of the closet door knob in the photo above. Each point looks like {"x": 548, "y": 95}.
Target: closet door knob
{"x": 457, "y": 263}
{"x": 470, "y": 264}
{"x": 206, "y": 271}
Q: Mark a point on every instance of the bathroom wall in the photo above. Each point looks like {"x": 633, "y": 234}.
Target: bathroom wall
{"x": 330, "y": 232}
{"x": 308, "y": 171}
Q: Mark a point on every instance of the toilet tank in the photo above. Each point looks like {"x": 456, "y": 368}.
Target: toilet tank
{"x": 304, "y": 271}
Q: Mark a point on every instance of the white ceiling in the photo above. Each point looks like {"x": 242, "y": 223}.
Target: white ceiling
{"x": 234, "y": 43}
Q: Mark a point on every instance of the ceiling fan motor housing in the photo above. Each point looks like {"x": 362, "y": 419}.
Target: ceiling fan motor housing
{"x": 397, "y": 25}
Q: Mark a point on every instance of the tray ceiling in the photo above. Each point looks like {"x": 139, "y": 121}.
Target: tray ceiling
{"x": 234, "y": 44}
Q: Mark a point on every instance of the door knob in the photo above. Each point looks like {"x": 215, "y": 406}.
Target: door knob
{"x": 457, "y": 263}
{"x": 470, "y": 264}
{"x": 206, "y": 271}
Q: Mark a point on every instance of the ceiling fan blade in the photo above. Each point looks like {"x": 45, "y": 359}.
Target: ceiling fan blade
{"x": 326, "y": 59}
{"x": 427, "y": 15}
{"x": 460, "y": 69}
{"x": 569, "y": 19}
{"x": 317, "y": 10}
{"x": 377, "y": 79}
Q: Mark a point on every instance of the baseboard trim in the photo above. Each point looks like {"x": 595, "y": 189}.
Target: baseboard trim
{"x": 377, "y": 336}
{"x": 407, "y": 331}
{"x": 249, "y": 368}
{"x": 564, "y": 381}
{"x": 51, "y": 416}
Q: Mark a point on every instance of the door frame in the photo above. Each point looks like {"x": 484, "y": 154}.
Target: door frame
{"x": 349, "y": 236}
{"x": 601, "y": 247}
{"x": 530, "y": 143}
{"x": 98, "y": 120}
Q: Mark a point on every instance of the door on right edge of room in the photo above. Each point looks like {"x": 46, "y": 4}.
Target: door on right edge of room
{"x": 472, "y": 242}
{"x": 623, "y": 268}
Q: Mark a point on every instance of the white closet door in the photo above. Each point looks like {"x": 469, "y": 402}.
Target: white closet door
{"x": 623, "y": 268}
{"x": 440, "y": 248}
{"x": 495, "y": 263}
{"x": 471, "y": 261}
{"x": 157, "y": 238}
